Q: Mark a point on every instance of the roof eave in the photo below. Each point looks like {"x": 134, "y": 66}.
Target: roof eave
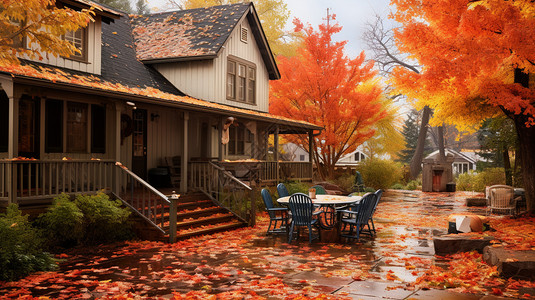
{"x": 152, "y": 100}
{"x": 101, "y": 10}
{"x": 177, "y": 59}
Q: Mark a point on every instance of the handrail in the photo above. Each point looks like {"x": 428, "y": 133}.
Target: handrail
{"x": 224, "y": 189}
{"x": 140, "y": 201}
{"x": 143, "y": 182}
{"x": 229, "y": 175}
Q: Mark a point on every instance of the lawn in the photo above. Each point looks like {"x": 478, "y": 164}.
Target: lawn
{"x": 246, "y": 264}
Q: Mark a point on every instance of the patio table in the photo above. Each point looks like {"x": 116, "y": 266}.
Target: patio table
{"x": 330, "y": 221}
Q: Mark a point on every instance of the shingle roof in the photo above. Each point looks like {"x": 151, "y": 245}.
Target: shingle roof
{"x": 186, "y": 33}
{"x": 119, "y": 62}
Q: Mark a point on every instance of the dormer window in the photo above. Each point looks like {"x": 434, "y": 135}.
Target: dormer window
{"x": 79, "y": 39}
{"x": 241, "y": 81}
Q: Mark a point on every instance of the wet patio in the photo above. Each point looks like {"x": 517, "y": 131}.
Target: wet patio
{"x": 245, "y": 263}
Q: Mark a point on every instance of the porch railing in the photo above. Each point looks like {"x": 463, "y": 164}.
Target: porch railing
{"x": 287, "y": 170}
{"x": 225, "y": 189}
{"x": 150, "y": 204}
{"x": 24, "y": 181}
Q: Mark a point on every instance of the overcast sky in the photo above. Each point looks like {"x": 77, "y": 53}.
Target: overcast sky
{"x": 351, "y": 14}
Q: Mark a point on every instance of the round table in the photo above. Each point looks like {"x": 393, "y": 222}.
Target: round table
{"x": 327, "y": 200}
{"x": 330, "y": 221}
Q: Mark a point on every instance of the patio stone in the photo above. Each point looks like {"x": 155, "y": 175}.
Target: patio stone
{"x": 375, "y": 288}
{"x": 511, "y": 263}
{"x": 476, "y": 201}
{"x": 442, "y": 295}
{"x": 460, "y": 243}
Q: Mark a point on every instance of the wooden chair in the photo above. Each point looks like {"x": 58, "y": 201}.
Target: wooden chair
{"x": 282, "y": 190}
{"x": 174, "y": 164}
{"x": 320, "y": 190}
{"x": 358, "y": 218}
{"x": 501, "y": 198}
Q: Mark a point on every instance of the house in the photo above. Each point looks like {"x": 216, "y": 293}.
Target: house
{"x": 190, "y": 85}
{"x": 463, "y": 161}
{"x": 293, "y": 152}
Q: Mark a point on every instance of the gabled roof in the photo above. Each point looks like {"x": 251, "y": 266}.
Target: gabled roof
{"x": 458, "y": 156}
{"x": 196, "y": 34}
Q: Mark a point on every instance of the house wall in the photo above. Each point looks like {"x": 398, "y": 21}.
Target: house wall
{"x": 206, "y": 79}
{"x": 93, "y": 63}
{"x": 43, "y": 94}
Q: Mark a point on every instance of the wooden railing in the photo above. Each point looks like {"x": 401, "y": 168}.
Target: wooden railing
{"x": 225, "y": 189}
{"x": 24, "y": 181}
{"x": 287, "y": 170}
{"x": 156, "y": 208}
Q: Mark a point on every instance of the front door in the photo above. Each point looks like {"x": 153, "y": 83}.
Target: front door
{"x": 139, "y": 143}
{"x": 28, "y": 143}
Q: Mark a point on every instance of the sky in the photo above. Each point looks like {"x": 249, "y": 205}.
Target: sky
{"x": 352, "y": 15}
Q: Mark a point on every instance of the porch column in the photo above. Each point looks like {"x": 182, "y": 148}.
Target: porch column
{"x": 219, "y": 136}
{"x": 276, "y": 152}
{"x": 184, "y": 169}
{"x": 310, "y": 149}
{"x": 116, "y": 182}
{"x": 6, "y": 84}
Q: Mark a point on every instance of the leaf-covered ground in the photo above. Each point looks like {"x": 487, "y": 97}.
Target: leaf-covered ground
{"x": 247, "y": 264}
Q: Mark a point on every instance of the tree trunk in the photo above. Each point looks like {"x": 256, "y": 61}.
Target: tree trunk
{"x": 526, "y": 139}
{"x": 440, "y": 138}
{"x": 416, "y": 162}
{"x": 507, "y": 166}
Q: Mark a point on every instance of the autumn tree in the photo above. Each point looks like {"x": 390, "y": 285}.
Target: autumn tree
{"x": 410, "y": 133}
{"x": 478, "y": 61}
{"x": 273, "y": 15}
{"x": 37, "y": 22}
{"x": 323, "y": 86}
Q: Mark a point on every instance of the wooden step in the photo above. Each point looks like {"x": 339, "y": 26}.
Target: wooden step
{"x": 209, "y": 220}
{"x": 183, "y": 234}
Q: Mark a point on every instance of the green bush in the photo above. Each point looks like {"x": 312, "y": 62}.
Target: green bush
{"x": 477, "y": 182}
{"x": 398, "y": 186}
{"x": 379, "y": 173}
{"x": 413, "y": 185}
{"x": 297, "y": 187}
{"x": 62, "y": 224}
{"x": 104, "y": 219}
{"x": 345, "y": 181}
{"x": 20, "y": 253}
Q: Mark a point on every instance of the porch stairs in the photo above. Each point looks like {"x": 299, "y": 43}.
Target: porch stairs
{"x": 196, "y": 215}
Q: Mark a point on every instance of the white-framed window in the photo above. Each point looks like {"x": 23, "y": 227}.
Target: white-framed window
{"x": 241, "y": 81}
{"x": 301, "y": 157}
{"x": 79, "y": 39}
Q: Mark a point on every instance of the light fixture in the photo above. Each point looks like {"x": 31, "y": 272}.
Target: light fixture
{"x": 130, "y": 103}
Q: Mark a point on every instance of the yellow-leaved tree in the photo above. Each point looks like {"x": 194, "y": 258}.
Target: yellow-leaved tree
{"x": 39, "y": 24}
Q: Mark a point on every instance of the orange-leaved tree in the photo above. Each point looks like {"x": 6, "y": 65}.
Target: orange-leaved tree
{"x": 322, "y": 86}
{"x": 39, "y": 24}
{"x": 478, "y": 61}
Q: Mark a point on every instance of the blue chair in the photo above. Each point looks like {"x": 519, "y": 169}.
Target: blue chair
{"x": 303, "y": 214}
{"x": 278, "y": 216}
{"x": 378, "y": 194}
{"x": 282, "y": 190}
{"x": 358, "y": 217}
{"x": 320, "y": 190}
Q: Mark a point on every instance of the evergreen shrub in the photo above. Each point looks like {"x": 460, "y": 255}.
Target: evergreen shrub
{"x": 380, "y": 173}
{"x": 20, "y": 251}
{"x": 104, "y": 219}
{"x": 477, "y": 182}
{"x": 63, "y": 223}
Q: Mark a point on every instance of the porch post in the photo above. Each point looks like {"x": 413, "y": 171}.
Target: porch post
{"x": 116, "y": 183}
{"x": 219, "y": 136}
{"x": 310, "y": 149}
{"x": 184, "y": 169}
{"x": 276, "y": 152}
{"x": 7, "y": 86}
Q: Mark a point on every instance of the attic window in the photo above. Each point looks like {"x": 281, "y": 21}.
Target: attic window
{"x": 79, "y": 40}
{"x": 243, "y": 34}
